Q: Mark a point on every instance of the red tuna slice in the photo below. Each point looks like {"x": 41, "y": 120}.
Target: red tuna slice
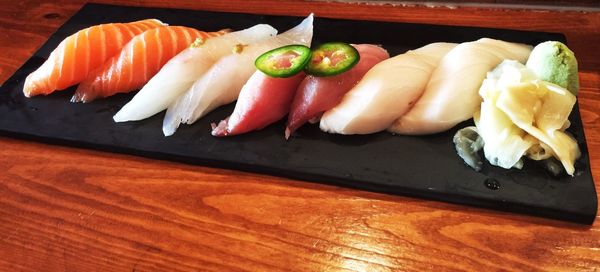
{"x": 263, "y": 100}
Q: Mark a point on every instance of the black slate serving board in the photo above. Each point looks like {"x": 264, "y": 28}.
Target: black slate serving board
{"x": 416, "y": 166}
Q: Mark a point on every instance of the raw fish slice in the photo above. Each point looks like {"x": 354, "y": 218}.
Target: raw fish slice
{"x": 222, "y": 83}
{"x": 263, "y": 100}
{"x": 178, "y": 75}
{"x": 138, "y": 61}
{"x": 451, "y": 95}
{"x": 319, "y": 94}
{"x": 81, "y": 53}
{"x": 386, "y": 92}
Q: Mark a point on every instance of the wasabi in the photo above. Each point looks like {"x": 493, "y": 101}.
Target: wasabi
{"x": 554, "y": 62}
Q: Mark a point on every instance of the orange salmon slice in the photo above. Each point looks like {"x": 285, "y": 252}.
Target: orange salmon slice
{"x": 79, "y": 54}
{"x": 138, "y": 61}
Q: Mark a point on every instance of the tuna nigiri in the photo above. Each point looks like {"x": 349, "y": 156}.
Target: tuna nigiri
{"x": 319, "y": 94}
{"x": 139, "y": 60}
{"x": 386, "y": 92}
{"x": 81, "y": 53}
{"x": 222, "y": 83}
{"x": 451, "y": 95}
{"x": 262, "y": 101}
{"x": 178, "y": 75}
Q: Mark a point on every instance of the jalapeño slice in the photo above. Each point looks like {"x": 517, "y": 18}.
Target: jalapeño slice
{"x": 332, "y": 58}
{"x": 284, "y": 61}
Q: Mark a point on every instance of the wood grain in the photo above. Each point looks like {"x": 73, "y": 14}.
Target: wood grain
{"x": 67, "y": 209}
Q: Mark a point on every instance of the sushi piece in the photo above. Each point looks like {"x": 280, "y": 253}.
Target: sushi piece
{"x": 139, "y": 60}
{"x": 451, "y": 95}
{"x": 179, "y": 73}
{"x": 81, "y": 53}
{"x": 222, "y": 83}
{"x": 268, "y": 94}
{"x": 319, "y": 94}
{"x": 262, "y": 101}
{"x": 386, "y": 92}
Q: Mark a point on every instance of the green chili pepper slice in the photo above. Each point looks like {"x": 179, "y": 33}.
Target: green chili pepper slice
{"x": 332, "y": 58}
{"x": 284, "y": 61}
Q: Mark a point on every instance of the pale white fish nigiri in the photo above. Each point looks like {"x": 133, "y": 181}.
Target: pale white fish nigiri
{"x": 222, "y": 83}
{"x": 178, "y": 75}
{"x": 386, "y": 92}
{"x": 452, "y": 95}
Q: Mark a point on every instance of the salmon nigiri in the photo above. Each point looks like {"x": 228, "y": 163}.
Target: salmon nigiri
{"x": 319, "y": 94}
{"x": 81, "y": 53}
{"x": 262, "y": 101}
{"x": 138, "y": 61}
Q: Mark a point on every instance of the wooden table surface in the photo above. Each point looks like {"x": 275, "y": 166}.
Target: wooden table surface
{"x": 68, "y": 209}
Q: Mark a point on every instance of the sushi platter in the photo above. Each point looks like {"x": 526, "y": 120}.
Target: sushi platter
{"x": 425, "y": 166}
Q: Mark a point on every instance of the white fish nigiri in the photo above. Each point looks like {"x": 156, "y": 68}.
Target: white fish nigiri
{"x": 386, "y": 92}
{"x": 451, "y": 95}
{"x": 178, "y": 75}
{"x": 222, "y": 83}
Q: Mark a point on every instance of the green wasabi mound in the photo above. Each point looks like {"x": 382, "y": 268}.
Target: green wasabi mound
{"x": 554, "y": 62}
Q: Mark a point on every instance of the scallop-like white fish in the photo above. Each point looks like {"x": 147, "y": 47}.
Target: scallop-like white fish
{"x": 178, "y": 75}
{"x": 452, "y": 95}
{"x": 222, "y": 83}
{"x": 386, "y": 92}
